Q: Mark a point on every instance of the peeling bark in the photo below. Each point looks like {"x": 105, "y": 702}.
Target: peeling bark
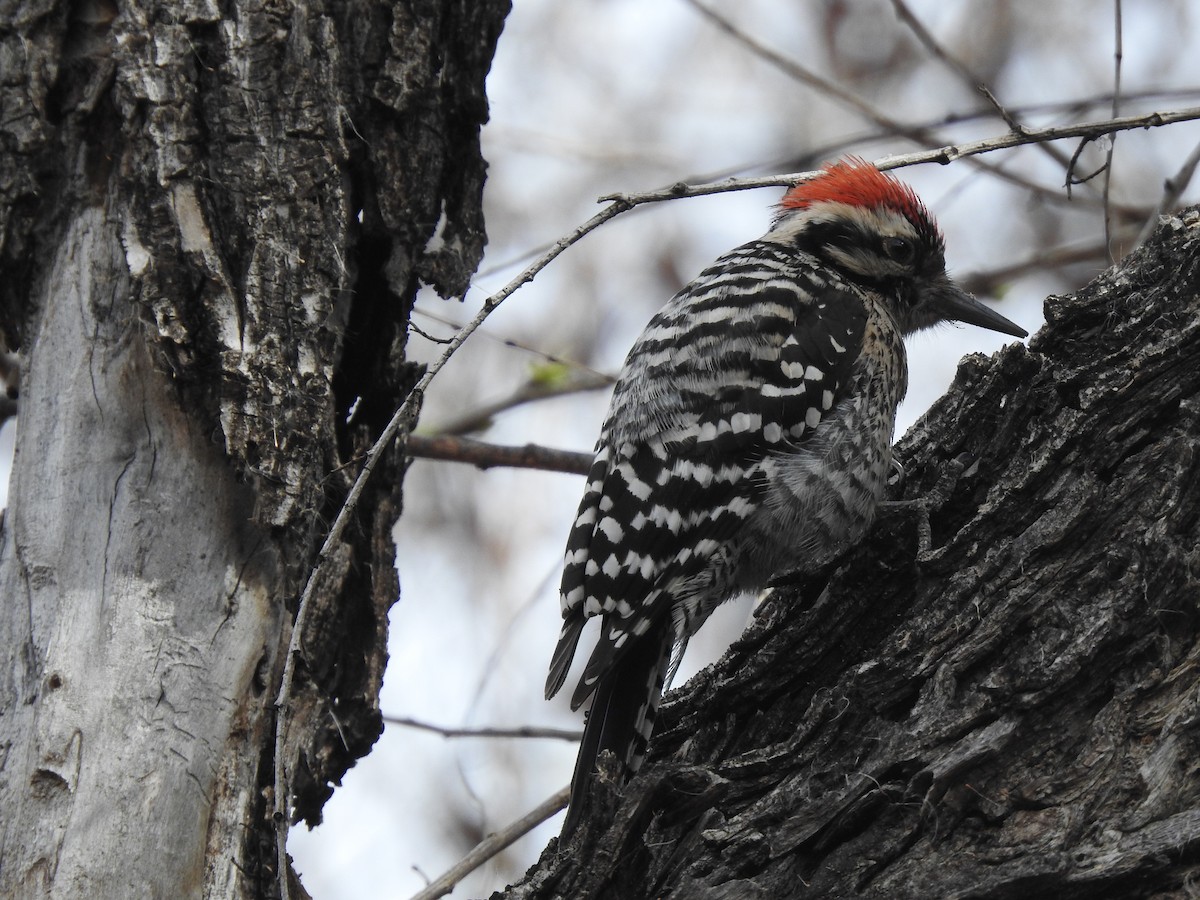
{"x": 1013, "y": 714}
{"x": 213, "y": 222}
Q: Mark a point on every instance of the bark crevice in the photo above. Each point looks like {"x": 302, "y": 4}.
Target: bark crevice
{"x": 185, "y": 267}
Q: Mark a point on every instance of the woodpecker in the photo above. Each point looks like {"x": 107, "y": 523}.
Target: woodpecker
{"x": 750, "y": 434}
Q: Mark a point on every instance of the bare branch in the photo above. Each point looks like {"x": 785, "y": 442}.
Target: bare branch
{"x": 576, "y": 383}
{"x": 800, "y": 73}
{"x": 1112, "y": 142}
{"x": 573, "y": 365}
{"x": 986, "y": 282}
{"x": 527, "y": 731}
{"x": 492, "y": 845}
{"x": 836, "y": 147}
{"x": 433, "y": 339}
{"x": 974, "y": 81}
{"x": 1075, "y": 107}
{"x": 1173, "y": 189}
{"x": 917, "y": 135}
{"x": 942, "y": 155}
{"x": 544, "y": 383}
{"x": 483, "y": 455}
{"x": 951, "y": 62}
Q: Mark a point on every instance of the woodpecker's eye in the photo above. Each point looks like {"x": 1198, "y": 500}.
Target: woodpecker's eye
{"x": 899, "y": 250}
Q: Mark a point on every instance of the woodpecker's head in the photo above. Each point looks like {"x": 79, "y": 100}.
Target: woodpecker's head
{"x": 877, "y": 233}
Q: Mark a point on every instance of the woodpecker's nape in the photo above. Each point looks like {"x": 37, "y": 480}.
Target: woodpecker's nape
{"x": 750, "y": 434}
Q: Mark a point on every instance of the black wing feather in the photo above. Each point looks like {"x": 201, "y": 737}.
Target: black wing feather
{"x": 668, "y": 413}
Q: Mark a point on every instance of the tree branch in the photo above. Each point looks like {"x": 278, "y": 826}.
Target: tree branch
{"x": 972, "y": 80}
{"x": 527, "y": 731}
{"x": 1173, "y": 189}
{"x": 941, "y": 155}
{"x": 484, "y": 455}
{"x": 578, "y": 382}
{"x": 986, "y": 282}
{"x": 931, "y": 44}
{"x": 1118, "y": 53}
{"x": 494, "y": 844}
{"x": 852, "y": 101}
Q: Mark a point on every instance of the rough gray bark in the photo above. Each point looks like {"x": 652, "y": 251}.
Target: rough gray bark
{"x": 213, "y": 220}
{"x": 1013, "y": 715}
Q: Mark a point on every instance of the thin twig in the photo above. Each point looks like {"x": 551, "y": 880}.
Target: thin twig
{"x": 425, "y": 334}
{"x": 1071, "y": 178}
{"x": 282, "y": 808}
{"x": 964, "y": 72}
{"x": 834, "y": 148}
{"x": 931, "y": 44}
{"x": 848, "y": 98}
{"x": 985, "y": 282}
{"x": 1079, "y": 106}
{"x": 1173, "y": 189}
{"x": 794, "y": 70}
{"x": 453, "y": 448}
{"x": 839, "y": 146}
{"x": 573, "y": 365}
{"x": 1076, "y": 107}
{"x": 1112, "y": 140}
{"x": 492, "y": 845}
{"x": 577, "y": 382}
{"x": 525, "y": 731}
{"x": 942, "y": 155}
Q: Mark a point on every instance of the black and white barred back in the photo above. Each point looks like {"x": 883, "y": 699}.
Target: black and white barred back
{"x": 749, "y": 434}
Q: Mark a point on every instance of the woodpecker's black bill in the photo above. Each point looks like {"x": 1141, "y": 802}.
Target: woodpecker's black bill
{"x": 956, "y": 304}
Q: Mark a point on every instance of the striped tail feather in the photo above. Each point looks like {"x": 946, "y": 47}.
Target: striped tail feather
{"x": 622, "y": 717}
{"x": 564, "y": 652}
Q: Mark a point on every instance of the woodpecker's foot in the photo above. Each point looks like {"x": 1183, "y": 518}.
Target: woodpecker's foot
{"x": 793, "y": 578}
{"x": 934, "y": 499}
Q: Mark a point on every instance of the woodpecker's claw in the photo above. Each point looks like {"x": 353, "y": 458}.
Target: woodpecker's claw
{"x": 932, "y": 500}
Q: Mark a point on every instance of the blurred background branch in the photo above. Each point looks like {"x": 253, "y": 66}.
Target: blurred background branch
{"x": 558, "y": 734}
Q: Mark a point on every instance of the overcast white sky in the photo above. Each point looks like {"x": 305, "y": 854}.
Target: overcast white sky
{"x": 616, "y": 95}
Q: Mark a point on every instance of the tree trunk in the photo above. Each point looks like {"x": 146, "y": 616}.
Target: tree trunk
{"x": 214, "y": 222}
{"x": 1012, "y": 713}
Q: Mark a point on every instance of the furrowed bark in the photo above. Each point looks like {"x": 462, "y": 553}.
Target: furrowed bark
{"x": 214, "y": 222}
